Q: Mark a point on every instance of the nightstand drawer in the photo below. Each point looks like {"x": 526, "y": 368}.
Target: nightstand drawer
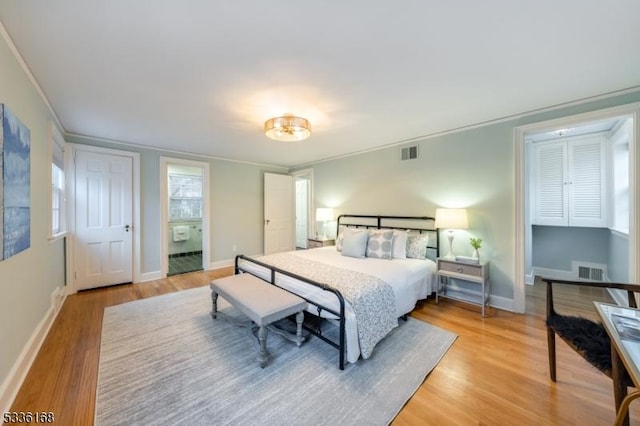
{"x": 315, "y": 243}
{"x": 460, "y": 268}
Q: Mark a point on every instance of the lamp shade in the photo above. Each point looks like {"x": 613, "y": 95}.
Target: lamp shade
{"x": 287, "y": 128}
{"x": 451, "y": 219}
{"x": 324, "y": 214}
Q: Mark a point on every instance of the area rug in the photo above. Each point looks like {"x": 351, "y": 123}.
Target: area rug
{"x": 165, "y": 361}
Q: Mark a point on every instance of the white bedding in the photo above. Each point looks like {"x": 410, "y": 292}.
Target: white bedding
{"x": 410, "y": 280}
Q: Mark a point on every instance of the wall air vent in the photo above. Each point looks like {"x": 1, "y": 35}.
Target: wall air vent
{"x": 590, "y": 273}
{"x": 409, "y": 153}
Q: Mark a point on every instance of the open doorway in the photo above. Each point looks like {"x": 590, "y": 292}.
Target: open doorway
{"x": 576, "y": 195}
{"x": 303, "y": 181}
{"x": 184, "y": 189}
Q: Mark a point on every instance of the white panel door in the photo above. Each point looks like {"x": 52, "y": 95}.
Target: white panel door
{"x": 104, "y": 212}
{"x": 302, "y": 213}
{"x": 278, "y": 213}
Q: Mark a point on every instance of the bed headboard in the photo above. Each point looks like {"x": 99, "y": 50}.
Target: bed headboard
{"x": 421, "y": 224}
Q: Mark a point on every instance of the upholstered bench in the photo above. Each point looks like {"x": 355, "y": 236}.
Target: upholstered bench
{"x": 263, "y": 303}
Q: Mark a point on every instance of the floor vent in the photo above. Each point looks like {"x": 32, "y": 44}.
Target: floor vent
{"x": 409, "y": 153}
{"x": 589, "y": 273}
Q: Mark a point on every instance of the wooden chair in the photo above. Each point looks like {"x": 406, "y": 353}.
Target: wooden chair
{"x": 586, "y": 337}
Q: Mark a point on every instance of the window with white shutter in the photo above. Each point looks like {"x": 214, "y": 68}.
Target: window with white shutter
{"x": 569, "y": 182}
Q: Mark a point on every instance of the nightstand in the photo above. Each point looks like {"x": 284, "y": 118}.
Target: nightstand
{"x": 319, "y": 242}
{"x": 467, "y": 282}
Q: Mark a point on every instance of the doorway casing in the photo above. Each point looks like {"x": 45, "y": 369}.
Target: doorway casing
{"x": 630, "y": 110}
{"x": 307, "y": 175}
{"x": 164, "y": 210}
{"x": 71, "y": 214}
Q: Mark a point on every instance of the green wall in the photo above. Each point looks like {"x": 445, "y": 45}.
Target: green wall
{"x": 473, "y": 168}
{"x": 236, "y": 197}
{"x": 28, "y": 278}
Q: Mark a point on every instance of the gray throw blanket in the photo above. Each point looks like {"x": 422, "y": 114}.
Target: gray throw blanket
{"x": 371, "y": 298}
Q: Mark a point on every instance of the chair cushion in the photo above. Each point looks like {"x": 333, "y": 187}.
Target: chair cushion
{"x": 586, "y": 337}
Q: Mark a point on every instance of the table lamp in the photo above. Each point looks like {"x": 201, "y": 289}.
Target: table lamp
{"x": 324, "y": 215}
{"x": 451, "y": 219}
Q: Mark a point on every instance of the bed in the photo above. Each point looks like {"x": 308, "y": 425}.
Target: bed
{"x": 363, "y": 296}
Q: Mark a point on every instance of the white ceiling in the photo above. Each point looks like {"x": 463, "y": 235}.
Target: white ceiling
{"x": 202, "y": 76}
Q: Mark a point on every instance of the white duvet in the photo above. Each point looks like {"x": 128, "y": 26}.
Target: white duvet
{"x": 410, "y": 279}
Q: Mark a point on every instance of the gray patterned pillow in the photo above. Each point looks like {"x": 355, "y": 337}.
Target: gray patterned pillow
{"x": 380, "y": 244}
{"x": 417, "y": 245}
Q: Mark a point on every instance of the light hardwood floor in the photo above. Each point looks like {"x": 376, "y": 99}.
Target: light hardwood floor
{"x": 496, "y": 373}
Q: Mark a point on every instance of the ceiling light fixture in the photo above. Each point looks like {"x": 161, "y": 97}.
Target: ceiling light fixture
{"x": 287, "y": 128}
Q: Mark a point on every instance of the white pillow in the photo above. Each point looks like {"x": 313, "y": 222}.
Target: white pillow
{"x": 417, "y": 245}
{"x": 354, "y": 242}
{"x": 380, "y": 244}
{"x": 399, "y": 250}
{"x": 339, "y": 237}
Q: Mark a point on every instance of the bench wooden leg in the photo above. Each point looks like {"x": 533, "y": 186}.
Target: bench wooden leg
{"x": 214, "y": 303}
{"x": 263, "y": 355}
{"x": 299, "y": 321}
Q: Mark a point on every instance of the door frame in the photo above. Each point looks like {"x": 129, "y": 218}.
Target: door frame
{"x": 164, "y": 210}
{"x": 521, "y": 215}
{"x": 292, "y": 213}
{"x": 308, "y": 174}
{"x": 70, "y": 205}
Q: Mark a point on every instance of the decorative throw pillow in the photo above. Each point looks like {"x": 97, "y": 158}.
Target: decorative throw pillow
{"x": 380, "y": 244}
{"x": 417, "y": 245}
{"x": 354, "y": 242}
{"x": 340, "y": 237}
{"x": 399, "y": 250}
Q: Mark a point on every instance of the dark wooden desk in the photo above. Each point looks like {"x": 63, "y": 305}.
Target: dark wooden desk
{"x": 625, "y": 355}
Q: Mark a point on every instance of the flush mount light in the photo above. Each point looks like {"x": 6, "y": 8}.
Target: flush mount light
{"x": 287, "y": 128}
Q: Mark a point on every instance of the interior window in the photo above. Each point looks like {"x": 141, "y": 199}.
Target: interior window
{"x": 58, "y": 224}
{"x": 185, "y": 197}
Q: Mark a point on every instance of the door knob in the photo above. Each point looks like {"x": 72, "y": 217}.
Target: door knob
{"x": 266, "y": 221}
{"x": 126, "y": 228}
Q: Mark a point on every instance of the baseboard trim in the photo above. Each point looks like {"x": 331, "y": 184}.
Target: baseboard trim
{"x": 554, "y": 273}
{"x": 12, "y": 383}
{"x": 221, "y": 264}
{"x": 148, "y": 276}
{"x": 503, "y": 303}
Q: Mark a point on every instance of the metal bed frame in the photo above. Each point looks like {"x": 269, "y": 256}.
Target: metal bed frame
{"x": 359, "y": 221}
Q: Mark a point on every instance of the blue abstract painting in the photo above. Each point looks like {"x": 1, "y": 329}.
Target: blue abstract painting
{"x": 15, "y": 182}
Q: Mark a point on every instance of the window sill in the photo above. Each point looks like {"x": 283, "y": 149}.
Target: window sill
{"x": 624, "y": 233}
{"x": 53, "y": 238}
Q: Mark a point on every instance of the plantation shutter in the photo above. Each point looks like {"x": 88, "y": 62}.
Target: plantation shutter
{"x": 587, "y": 171}
{"x": 569, "y": 182}
{"x": 550, "y": 177}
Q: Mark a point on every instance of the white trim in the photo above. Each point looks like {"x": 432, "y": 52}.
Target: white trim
{"x": 14, "y": 380}
{"x": 632, "y": 110}
{"x": 55, "y": 137}
{"x": 618, "y": 233}
{"x": 228, "y": 262}
{"x": 507, "y": 118}
{"x": 164, "y": 210}
{"x": 221, "y": 264}
{"x": 71, "y": 191}
{"x": 27, "y": 71}
{"x": 503, "y": 303}
{"x": 556, "y": 274}
{"x": 149, "y": 276}
{"x": 311, "y": 211}
{"x": 169, "y": 151}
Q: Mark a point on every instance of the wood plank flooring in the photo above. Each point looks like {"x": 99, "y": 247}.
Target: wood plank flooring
{"x": 496, "y": 373}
